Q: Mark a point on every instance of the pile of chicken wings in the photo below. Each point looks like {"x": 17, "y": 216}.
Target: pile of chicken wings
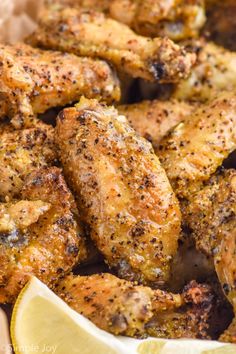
{"x": 117, "y": 166}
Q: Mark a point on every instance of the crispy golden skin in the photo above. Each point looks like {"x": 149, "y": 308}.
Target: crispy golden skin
{"x": 39, "y": 234}
{"x": 154, "y": 119}
{"x": 124, "y": 308}
{"x": 211, "y": 215}
{"x": 90, "y": 33}
{"x": 33, "y": 80}
{"x": 21, "y": 152}
{"x": 176, "y": 19}
{"x": 193, "y": 151}
{"x": 125, "y": 195}
{"x": 214, "y": 71}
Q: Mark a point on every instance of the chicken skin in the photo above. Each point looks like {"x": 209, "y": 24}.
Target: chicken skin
{"x": 90, "y": 33}
{"x": 214, "y": 71}
{"x": 193, "y": 151}
{"x": 176, "y": 19}
{"x": 22, "y": 152}
{"x": 125, "y": 308}
{"x": 154, "y": 119}
{"x": 125, "y": 196}
{"x": 33, "y": 80}
{"x": 39, "y": 234}
{"x": 211, "y": 217}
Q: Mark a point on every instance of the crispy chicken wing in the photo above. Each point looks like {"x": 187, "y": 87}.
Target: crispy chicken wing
{"x": 211, "y": 215}
{"x": 193, "y": 151}
{"x": 214, "y": 71}
{"x": 90, "y": 33}
{"x": 154, "y": 119}
{"x": 176, "y": 19}
{"x": 124, "y": 308}
{"x": 125, "y": 195}
{"x": 33, "y": 80}
{"x": 21, "y": 152}
{"x": 39, "y": 234}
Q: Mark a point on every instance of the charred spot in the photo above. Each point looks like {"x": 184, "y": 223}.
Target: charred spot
{"x": 14, "y": 238}
{"x": 82, "y": 118}
{"x": 72, "y": 250}
{"x": 137, "y": 231}
{"x": 159, "y": 70}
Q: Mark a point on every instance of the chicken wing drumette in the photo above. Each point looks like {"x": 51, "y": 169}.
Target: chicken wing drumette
{"x": 211, "y": 215}
{"x": 39, "y": 234}
{"x": 124, "y": 308}
{"x": 193, "y": 151}
{"x": 90, "y": 33}
{"x": 154, "y": 119}
{"x": 21, "y": 152}
{"x": 125, "y": 195}
{"x": 214, "y": 71}
{"x": 33, "y": 80}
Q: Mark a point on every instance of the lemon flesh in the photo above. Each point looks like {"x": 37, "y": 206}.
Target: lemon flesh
{"x": 43, "y": 323}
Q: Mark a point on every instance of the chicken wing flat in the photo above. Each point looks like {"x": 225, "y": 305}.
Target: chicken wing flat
{"x": 124, "y": 308}
{"x": 39, "y": 234}
{"x": 154, "y": 119}
{"x": 176, "y": 19}
{"x": 33, "y": 80}
{"x": 90, "y": 33}
{"x": 124, "y": 194}
{"x": 214, "y": 71}
{"x": 193, "y": 151}
{"x": 211, "y": 217}
{"x": 21, "y": 152}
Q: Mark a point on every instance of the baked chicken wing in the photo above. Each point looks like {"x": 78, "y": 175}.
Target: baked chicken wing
{"x": 211, "y": 215}
{"x": 176, "y": 19}
{"x": 33, "y": 80}
{"x": 124, "y": 308}
{"x": 193, "y": 150}
{"x": 22, "y": 152}
{"x": 39, "y": 234}
{"x": 124, "y": 194}
{"x": 154, "y": 119}
{"x": 214, "y": 71}
{"x": 90, "y": 33}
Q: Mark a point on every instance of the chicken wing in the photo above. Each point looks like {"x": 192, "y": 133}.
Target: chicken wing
{"x": 124, "y": 194}
{"x": 214, "y": 71}
{"x": 154, "y": 119}
{"x": 21, "y": 152}
{"x": 90, "y": 33}
{"x": 39, "y": 234}
{"x": 33, "y": 80}
{"x": 211, "y": 215}
{"x": 176, "y": 19}
{"x": 124, "y": 308}
{"x": 193, "y": 151}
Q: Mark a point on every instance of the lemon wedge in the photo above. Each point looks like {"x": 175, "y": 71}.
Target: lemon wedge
{"x": 177, "y": 346}
{"x": 43, "y": 323}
